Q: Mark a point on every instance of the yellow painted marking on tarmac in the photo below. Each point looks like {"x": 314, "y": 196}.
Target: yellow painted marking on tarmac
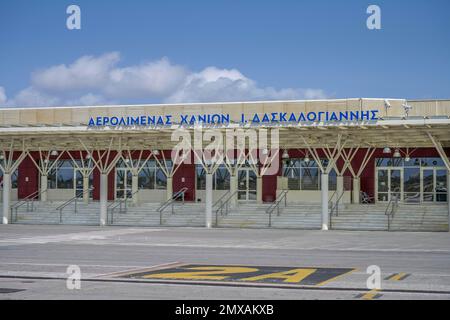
{"x": 370, "y": 295}
{"x": 290, "y": 276}
{"x": 334, "y": 278}
{"x": 398, "y": 276}
{"x": 203, "y": 273}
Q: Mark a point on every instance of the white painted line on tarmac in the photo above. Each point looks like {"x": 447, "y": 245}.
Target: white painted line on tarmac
{"x": 243, "y": 246}
{"x": 141, "y": 269}
{"x": 79, "y": 236}
{"x": 66, "y": 264}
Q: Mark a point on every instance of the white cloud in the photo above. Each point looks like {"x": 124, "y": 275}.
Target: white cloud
{"x": 2, "y": 96}
{"x": 98, "y": 80}
{"x": 87, "y": 72}
{"x": 155, "y": 79}
{"x": 89, "y": 99}
{"x": 31, "y": 96}
{"x": 213, "y": 84}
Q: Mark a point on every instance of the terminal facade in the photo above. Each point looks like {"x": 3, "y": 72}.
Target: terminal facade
{"x": 327, "y": 152}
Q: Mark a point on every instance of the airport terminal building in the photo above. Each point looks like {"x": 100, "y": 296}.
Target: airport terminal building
{"x": 354, "y": 164}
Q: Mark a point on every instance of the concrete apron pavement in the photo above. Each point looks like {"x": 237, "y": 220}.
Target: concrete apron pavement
{"x": 410, "y": 263}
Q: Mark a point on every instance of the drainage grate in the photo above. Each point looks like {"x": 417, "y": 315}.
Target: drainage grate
{"x": 9, "y": 290}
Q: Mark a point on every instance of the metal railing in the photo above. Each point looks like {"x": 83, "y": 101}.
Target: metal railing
{"x": 276, "y": 205}
{"x": 330, "y": 202}
{"x": 221, "y": 198}
{"x": 391, "y": 208}
{"x": 335, "y": 206}
{"x": 74, "y": 200}
{"x": 28, "y": 200}
{"x": 223, "y": 204}
{"x": 121, "y": 203}
{"x": 177, "y": 195}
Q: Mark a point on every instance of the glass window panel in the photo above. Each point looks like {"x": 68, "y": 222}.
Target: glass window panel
{"x": 411, "y": 178}
{"x": 242, "y": 195}
{"x": 382, "y": 162}
{"x": 408, "y": 163}
{"x": 129, "y": 179}
{"x": 332, "y": 180}
{"x": 120, "y": 194}
{"x": 293, "y": 172}
{"x": 293, "y": 183}
{"x": 441, "y": 180}
{"x": 51, "y": 179}
{"x": 428, "y": 197}
{"x": 201, "y": 177}
{"x": 79, "y": 163}
{"x": 146, "y": 179}
{"x": 251, "y": 180}
{"x": 161, "y": 179}
{"x": 168, "y": 164}
{"x": 120, "y": 179}
{"x": 383, "y": 181}
{"x": 65, "y": 178}
{"x": 397, "y": 162}
{"x": 14, "y": 179}
{"x": 78, "y": 180}
{"x": 252, "y": 195}
{"x": 428, "y": 180}
{"x": 67, "y": 164}
{"x": 324, "y": 162}
{"x": 412, "y": 197}
{"x": 432, "y": 162}
{"x": 291, "y": 168}
{"x": 310, "y": 179}
{"x": 414, "y": 162}
{"x": 309, "y": 164}
{"x": 121, "y": 164}
{"x": 222, "y": 179}
{"x": 242, "y": 180}
{"x": 396, "y": 179}
{"x": 78, "y": 184}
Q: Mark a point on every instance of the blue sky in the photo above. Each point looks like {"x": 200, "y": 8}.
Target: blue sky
{"x": 140, "y": 51}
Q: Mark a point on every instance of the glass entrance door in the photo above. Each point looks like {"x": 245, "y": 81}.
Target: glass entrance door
{"x": 123, "y": 183}
{"x": 389, "y": 183}
{"x": 434, "y": 184}
{"x": 411, "y": 185}
{"x": 78, "y": 183}
{"x": 246, "y": 185}
{"x": 78, "y": 186}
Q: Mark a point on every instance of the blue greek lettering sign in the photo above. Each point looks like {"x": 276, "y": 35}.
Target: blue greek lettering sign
{"x": 263, "y": 118}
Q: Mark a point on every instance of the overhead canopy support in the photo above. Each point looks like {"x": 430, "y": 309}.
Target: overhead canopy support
{"x": 169, "y": 169}
{"x": 104, "y": 162}
{"x": 8, "y": 165}
{"x": 348, "y": 157}
{"x": 135, "y": 166}
{"x": 210, "y": 158}
{"x": 85, "y": 166}
{"x": 446, "y": 160}
{"x": 437, "y": 144}
{"x": 333, "y": 156}
{"x": 44, "y": 167}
